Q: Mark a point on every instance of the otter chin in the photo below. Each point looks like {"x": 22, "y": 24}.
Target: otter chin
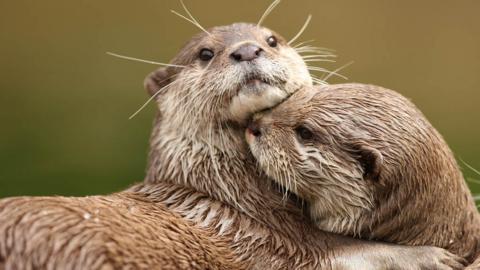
{"x": 369, "y": 165}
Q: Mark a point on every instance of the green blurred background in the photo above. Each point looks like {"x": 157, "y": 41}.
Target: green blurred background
{"x": 64, "y": 104}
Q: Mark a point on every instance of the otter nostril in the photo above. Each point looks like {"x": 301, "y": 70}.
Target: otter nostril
{"x": 236, "y": 56}
{"x": 246, "y": 52}
{"x": 254, "y": 129}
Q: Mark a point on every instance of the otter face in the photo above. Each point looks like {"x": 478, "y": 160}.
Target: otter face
{"x": 314, "y": 145}
{"x": 228, "y": 74}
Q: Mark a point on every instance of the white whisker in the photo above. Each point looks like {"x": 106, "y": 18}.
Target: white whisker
{"x": 335, "y": 72}
{"x": 301, "y": 30}
{"x": 470, "y": 167}
{"x": 151, "y": 98}
{"x": 143, "y": 60}
{"x": 318, "y": 81}
{"x": 267, "y": 11}
{"x": 472, "y": 180}
{"x": 320, "y": 52}
{"x": 330, "y": 73}
{"x": 319, "y": 60}
{"x": 302, "y": 43}
{"x": 308, "y": 48}
{"x": 315, "y": 55}
{"x": 191, "y": 19}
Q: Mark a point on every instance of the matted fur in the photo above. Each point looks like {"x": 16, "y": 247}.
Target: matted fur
{"x": 374, "y": 167}
{"x": 119, "y": 231}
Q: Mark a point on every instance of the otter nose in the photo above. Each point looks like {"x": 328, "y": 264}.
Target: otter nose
{"x": 254, "y": 129}
{"x": 246, "y": 52}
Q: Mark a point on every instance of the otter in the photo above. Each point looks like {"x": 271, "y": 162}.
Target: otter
{"x": 200, "y": 168}
{"x": 370, "y": 165}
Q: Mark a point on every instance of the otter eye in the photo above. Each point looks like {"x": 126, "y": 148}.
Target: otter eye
{"x": 272, "y": 41}
{"x": 206, "y": 54}
{"x": 304, "y": 133}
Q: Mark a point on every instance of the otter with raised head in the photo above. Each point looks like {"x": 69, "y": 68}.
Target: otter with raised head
{"x": 201, "y": 169}
{"x": 370, "y": 165}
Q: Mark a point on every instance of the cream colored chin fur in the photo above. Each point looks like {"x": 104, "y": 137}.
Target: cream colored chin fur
{"x": 248, "y": 102}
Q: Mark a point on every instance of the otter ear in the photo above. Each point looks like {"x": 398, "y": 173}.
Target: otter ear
{"x": 157, "y": 80}
{"x": 372, "y": 161}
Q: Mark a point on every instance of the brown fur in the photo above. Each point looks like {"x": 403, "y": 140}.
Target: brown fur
{"x": 372, "y": 166}
{"x": 200, "y": 168}
{"x": 122, "y": 230}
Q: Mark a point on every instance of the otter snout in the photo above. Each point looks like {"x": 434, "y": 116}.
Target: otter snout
{"x": 246, "y": 52}
{"x": 254, "y": 129}
{"x": 257, "y": 127}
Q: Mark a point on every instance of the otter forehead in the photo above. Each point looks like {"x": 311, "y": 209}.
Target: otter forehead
{"x": 238, "y": 32}
{"x": 220, "y": 38}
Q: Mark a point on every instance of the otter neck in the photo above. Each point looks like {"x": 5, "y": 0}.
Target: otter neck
{"x": 218, "y": 165}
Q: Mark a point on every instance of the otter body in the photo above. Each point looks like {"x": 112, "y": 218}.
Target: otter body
{"x": 370, "y": 165}
{"x": 120, "y": 231}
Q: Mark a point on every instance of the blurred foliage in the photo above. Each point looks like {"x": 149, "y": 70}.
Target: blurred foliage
{"x": 65, "y": 104}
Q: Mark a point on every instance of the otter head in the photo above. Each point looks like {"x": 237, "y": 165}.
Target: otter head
{"x": 357, "y": 154}
{"x": 224, "y": 75}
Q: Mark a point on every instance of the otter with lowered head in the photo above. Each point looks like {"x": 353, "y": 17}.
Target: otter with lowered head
{"x": 225, "y": 75}
{"x": 200, "y": 168}
{"x": 370, "y": 165}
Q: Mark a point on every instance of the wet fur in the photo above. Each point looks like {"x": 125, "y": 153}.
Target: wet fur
{"x": 200, "y": 168}
{"x": 375, "y": 167}
{"x": 124, "y": 230}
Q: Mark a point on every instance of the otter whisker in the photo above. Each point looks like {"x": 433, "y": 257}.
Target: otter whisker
{"x": 317, "y": 80}
{"x": 470, "y": 167}
{"x": 143, "y": 60}
{"x": 335, "y": 72}
{"x": 316, "y": 52}
{"x": 267, "y": 11}
{"x": 314, "y": 55}
{"x": 302, "y": 43}
{"x": 472, "y": 180}
{"x": 301, "y": 30}
{"x": 191, "y": 19}
{"x": 326, "y": 71}
{"x": 193, "y": 22}
{"x": 319, "y": 60}
{"x": 320, "y": 50}
{"x": 152, "y": 97}
{"x": 315, "y": 47}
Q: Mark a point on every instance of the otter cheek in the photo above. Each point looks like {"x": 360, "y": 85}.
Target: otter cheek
{"x": 299, "y": 74}
{"x": 247, "y": 103}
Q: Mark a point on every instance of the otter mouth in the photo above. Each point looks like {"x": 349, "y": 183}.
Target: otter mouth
{"x": 256, "y": 92}
{"x": 255, "y": 83}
